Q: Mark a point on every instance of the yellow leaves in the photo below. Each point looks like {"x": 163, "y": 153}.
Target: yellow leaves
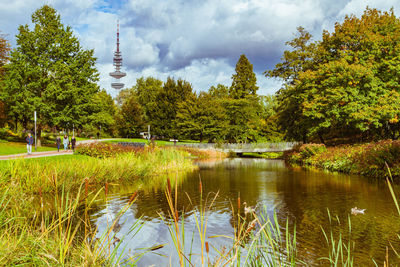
{"x": 394, "y": 120}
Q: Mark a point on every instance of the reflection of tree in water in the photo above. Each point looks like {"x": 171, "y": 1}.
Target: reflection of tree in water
{"x": 307, "y": 195}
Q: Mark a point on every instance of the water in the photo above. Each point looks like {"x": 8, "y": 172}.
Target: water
{"x": 303, "y": 197}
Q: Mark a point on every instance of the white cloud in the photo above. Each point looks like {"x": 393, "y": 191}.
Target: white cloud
{"x": 199, "y": 41}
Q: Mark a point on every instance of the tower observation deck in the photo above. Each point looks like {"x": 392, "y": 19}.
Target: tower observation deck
{"x": 117, "y": 74}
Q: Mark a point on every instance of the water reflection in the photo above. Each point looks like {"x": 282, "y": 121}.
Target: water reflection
{"x": 302, "y": 196}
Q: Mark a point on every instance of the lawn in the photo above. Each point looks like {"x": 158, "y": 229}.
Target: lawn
{"x": 9, "y": 148}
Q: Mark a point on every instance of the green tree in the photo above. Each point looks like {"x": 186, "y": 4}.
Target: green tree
{"x": 348, "y": 84}
{"x": 244, "y": 81}
{"x": 102, "y": 113}
{"x": 51, "y": 73}
{"x": 4, "y": 57}
{"x": 290, "y": 97}
{"x": 242, "y": 105}
{"x": 147, "y": 90}
{"x": 269, "y": 128}
{"x": 130, "y": 116}
{"x": 166, "y": 105}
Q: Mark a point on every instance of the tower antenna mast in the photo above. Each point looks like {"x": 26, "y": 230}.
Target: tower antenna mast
{"x": 117, "y": 74}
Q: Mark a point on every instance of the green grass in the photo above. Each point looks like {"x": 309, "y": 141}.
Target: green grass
{"x": 10, "y": 148}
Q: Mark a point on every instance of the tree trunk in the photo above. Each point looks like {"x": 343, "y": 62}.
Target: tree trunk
{"x": 321, "y": 138}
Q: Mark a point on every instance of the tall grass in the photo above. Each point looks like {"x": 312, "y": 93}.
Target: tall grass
{"x": 60, "y": 238}
{"x": 29, "y": 175}
{"x": 62, "y": 235}
{"x": 257, "y": 241}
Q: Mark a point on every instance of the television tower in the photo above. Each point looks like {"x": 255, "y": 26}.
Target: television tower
{"x": 117, "y": 74}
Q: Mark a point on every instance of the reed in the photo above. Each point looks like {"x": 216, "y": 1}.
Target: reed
{"x": 30, "y": 175}
{"x": 56, "y": 238}
{"x": 258, "y": 242}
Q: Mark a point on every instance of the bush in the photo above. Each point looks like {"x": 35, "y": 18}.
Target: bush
{"x": 105, "y": 150}
{"x": 366, "y": 159}
{"x": 309, "y": 150}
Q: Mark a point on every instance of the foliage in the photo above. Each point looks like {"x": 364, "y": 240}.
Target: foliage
{"x": 366, "y": 159}
{"x": 103, "y": 111}
{"x": 105, "y": 150}
{"x": 244, "y": 119}
{"x": 244, "y": 81}
{"x": 4, "y": 57}
{"x": 130, "y": 115}
{"x": 51, "y": 73}
{"x": 345, "y": 85}
{"x": 167, "y": 104}
{"x": 4, "y": 53}
{"x": 269, "y": 124}
{"x": 202, "y": 117}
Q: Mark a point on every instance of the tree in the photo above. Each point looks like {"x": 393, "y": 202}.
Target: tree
{"x": 242, "y": 106}
{"x": 244, "y": 81}
{"x": 269, "y": 129}
{"x": 4, "y": 57}
{"x": 51, "y": 73}
{"x": 103, "y": 112}
{"x": 130, "y": 116}
{"x": 290, "y": 97}
{"x": 4, "y": 53}
{"x": 147, "y": 90}
{"x": 166, "y": 106}
{"x": 348, "y": 84}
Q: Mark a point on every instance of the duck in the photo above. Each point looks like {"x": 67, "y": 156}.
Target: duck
{"x": 248, "y": 209}
{"x": 356, "y": 211}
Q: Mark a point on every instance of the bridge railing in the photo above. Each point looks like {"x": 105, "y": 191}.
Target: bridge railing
{"x": 281, "y": 146}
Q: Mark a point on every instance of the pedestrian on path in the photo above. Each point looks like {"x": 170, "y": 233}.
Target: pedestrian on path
{"x": 29, "y": 143}
{"x": 65, "y": 142}
{"x": 58, "y": 143}
{"x": 73, "y": 143}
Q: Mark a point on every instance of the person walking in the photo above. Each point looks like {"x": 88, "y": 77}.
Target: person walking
{"x": 73, "y": 143}
{"x": 65, "y": 142}
{"x": 58, "y": 143}
{"x": 29, "y": 143}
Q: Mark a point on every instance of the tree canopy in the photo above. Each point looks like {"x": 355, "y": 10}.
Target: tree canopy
{"x": 51, "y": 73}
{"x": 346, "y": 85}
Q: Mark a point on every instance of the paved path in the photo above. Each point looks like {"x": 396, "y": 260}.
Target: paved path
{"x": 37, "y": 155}
{"x": 49, "y": 153}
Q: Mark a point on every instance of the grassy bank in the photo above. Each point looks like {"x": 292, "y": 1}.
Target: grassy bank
{"x": 34, "y": 235}
{"x": 363, "y": 159}
{"x": 30, "y": 176}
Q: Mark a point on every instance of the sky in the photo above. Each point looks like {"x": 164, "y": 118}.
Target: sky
{"x": 199, "y": 41}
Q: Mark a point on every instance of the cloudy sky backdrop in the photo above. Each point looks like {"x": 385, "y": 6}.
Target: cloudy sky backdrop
{"x": 199, "y": 41}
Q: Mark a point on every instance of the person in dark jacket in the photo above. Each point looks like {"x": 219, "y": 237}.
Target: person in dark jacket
{"x": 58, "y": 142}
{"x": 73, "y": 143}
{"x": 29, "y": 143}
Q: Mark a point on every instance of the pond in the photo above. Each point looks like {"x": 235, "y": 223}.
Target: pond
{"x": 303, "y": 197}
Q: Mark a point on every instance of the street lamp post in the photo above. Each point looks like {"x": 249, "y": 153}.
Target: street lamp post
{"x": 35, "y": 131}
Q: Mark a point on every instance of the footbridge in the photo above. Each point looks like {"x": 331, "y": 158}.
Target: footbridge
{"x": 246, "y": 147}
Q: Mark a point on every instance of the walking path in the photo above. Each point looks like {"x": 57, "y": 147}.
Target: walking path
{"x": 49, "y": 153}
{"x": 37, "y": 154}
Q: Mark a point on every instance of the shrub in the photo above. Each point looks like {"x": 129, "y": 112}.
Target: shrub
{"x": 366, "y": 159}
{"x": 105, "y": 150}
{"x": 309, "y": 150}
